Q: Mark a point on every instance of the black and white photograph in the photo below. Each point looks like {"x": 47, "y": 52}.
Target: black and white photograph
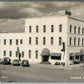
{"x": 41, "y": 41}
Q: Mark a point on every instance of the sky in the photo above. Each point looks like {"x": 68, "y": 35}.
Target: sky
{"x": 13, "y": 14}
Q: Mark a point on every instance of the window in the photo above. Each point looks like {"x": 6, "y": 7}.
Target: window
{"x": 71, "y": 58}
{"x": 70, "y": 28}
{"x": 82, "y": 41}
{"x": 37, "y": 29}
{"x": 52, "y": 28}
{"x": 30, "y": 29}
{"x": 10, "y": 41}
{"x": 79, "y": 30}
{"x": 44, "y": 28}
{"x": 56, "y": 57}
{"x": 22, "y": 53}
{"x": 78, "y": 41}
{"x": 75, "y": 29}
{"x": 70, "y": 41}
{"x": 76, "y": 57}
{"x": 74, "y": 41}
{"x": 21, "y": 41}
{"x": 29, "y": 40}
{"x": 52, "y": 40}
{"x": 36, "y": 54}
{"x": 60, "y": 40}
{"x": 82, "y": 30}
{"x": 29, "y": 53}
{"x": 4, "y": 41}
{"x": 44, "y": 40}
{"x": 60, "y": 28}
{"x": 16, "y": 41}
{"x": 10, "y": 53}
{"x": 36, "y": 40}
{"x": 16, "y": 54}
{"x": 4, "y": 53}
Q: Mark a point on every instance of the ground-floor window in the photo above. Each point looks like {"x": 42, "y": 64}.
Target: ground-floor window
{"x": 71, "y": 58}
{"x": 36, "y": 54}
{"x": 4, "y": 53}
{"x": 77, "y": 57}
{"x": 56, "y": 57}
{"x": 29, "y": 53}
{"x": 22, "y": 53}
{"x": 10, "y": 53}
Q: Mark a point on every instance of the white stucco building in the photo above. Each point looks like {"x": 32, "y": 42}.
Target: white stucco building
{"x": 44, "y": 39}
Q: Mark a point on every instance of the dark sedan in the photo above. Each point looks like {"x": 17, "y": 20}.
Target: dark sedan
{"x": 6, "y": 61}
{"x": 25, "y": 63}
{"x": 16, "y": 62}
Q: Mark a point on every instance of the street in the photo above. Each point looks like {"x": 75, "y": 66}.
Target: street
{"x": 40, "y": 74}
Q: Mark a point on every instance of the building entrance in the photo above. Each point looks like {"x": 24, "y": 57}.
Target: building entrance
{"x": 45, "y": 55}
{"x": 45, "y": 58}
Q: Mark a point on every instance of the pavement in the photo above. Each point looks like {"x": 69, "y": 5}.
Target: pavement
{"x": 67, "y": 67}
{"x": 43, "y": 73}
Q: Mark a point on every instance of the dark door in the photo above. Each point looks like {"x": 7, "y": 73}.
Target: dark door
{"x": 45, "y": 58}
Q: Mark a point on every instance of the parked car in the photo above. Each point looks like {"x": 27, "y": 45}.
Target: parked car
{"x": 25, "y": 63}
{"x": 6, "y": 61}
{"x": 76, "y": 61}
{"x": 16, "y": 62}
{"x": 57, "y": 63}
{"x": 1, "y": 61}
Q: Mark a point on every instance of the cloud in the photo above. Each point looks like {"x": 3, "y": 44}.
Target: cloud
{"x": 13, "y": 13}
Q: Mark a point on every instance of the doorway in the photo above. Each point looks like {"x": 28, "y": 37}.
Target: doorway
{"x": 45, "y": 58}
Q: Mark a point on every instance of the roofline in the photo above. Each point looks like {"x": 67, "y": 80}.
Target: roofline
{"x": 75, "y": 19}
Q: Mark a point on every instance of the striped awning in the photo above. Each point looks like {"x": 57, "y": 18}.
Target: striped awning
{"x": 55, "y": 54}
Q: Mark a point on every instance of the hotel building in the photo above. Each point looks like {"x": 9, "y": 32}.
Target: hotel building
{"x": 46, "y": 39}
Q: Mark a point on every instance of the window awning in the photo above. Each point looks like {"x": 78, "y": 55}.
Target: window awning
{"x": 46, "y": 52}
{"x": 72, "y": 54}
{"x": 55, "y": 54}
{"x": 81, "y": 52}
{"x": 77, "y": 54}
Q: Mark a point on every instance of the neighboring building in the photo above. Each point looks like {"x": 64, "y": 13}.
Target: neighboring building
{"x": 48, "y": 39}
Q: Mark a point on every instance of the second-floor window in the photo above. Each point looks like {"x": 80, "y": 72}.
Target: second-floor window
{"x": 29, "y": 40}
{"x": 36, "y": 40}
{"x": 52, "y": 40}
{"x": 60, "y": 40}
{"x": 44, "y": 40}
